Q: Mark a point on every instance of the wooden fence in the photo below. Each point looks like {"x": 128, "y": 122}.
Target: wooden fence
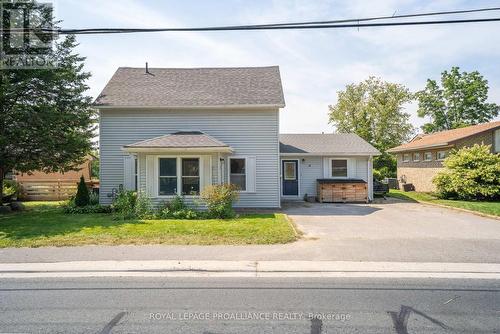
{"x": 48, "y": 190}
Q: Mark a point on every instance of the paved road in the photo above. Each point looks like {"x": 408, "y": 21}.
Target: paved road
{"x": 224, "y": 306}
{"x": 392, "y": 231}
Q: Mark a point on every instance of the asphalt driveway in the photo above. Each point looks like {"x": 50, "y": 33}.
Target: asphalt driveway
{"x": 398, "y": 230}
{"x": 392, "y": 230}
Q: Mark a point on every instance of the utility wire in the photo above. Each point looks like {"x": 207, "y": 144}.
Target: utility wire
{"x": 282, "y": 26}
{"x": 288, "y": 27}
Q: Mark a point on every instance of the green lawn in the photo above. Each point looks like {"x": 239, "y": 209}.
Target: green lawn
{"x": 490, "y": 208}
{"x": 43, "y": 224}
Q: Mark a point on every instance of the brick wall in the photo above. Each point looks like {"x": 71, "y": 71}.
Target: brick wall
{"x": 421, "y": 173}
{"x": 420, "y": 177}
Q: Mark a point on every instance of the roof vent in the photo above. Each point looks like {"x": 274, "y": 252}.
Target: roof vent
{"x": 147, "y": 69}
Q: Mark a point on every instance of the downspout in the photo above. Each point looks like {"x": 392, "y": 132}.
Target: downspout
{"x": 370, "y": 178}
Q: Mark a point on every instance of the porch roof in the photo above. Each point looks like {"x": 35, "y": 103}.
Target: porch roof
{"x": 180, "y": 141}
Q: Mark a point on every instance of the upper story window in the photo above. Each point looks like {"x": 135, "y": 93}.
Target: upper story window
{"x": 237, "y": 173}
{"x": 167, "y": 183}
{"x": 339, "y": 168}
{"x": 428, "y": 156}
{"x": 441, "y": 155}
{"x": 416, "y": 156}
{"x": 406, "y": 157}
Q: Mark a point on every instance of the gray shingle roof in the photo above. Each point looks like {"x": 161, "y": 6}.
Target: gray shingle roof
{"x": 326, "y": 144}
{"x": 193, "y": 87}
{"x": 181, "y": 139}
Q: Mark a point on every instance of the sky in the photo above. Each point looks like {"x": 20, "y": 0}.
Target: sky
{"x": 314, "y": 64}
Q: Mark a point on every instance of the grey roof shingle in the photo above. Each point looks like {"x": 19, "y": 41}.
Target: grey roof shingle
{"x": 181, "y": 139}
{"x": 326, "y": 144}
{"x": 193, "y": 87}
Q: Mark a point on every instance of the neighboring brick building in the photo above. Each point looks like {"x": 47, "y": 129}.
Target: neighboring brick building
{"x": 422, "y": 158}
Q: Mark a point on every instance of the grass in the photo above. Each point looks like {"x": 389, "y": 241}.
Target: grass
{"x": 489, "y": 208}
{"x": 44, "y": 224}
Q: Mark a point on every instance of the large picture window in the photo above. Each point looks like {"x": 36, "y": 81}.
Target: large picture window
{"x": 167, "y": 176}
{"x": 339, "y": 168}
{"x": 237, "y": 175}
{"x": 190, "y": 176}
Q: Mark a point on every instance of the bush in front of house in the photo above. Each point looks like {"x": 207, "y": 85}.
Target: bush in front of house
{"x": 178, "y": 209}
{"x": 472, "y": 173}
{"x": 219, "y": 200}
{"x": 82, "y": 197}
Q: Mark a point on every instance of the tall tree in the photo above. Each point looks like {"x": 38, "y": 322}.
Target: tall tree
{"x": 373, "y": 109}
{"x": 46, "y": 120}
{"x": 459, "y": 101}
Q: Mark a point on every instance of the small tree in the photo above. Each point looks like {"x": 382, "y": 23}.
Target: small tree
{"x": 82, "y": 197}
{"x": 472, "y": 173}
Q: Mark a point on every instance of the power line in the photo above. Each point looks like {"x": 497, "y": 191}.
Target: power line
{"x": 341, "y": 23}
{"x": 288, "y": 27}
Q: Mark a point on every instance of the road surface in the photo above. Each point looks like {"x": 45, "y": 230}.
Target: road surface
{"x": 246, "y": 305}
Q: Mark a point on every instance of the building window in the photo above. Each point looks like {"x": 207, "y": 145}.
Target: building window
{"x": 167, "y": 176}
{"x": 416, "y": 156}
{"x": 428, "y": 156}
{"x": 339, "y": 168}
{"x": 190, "y": 176}
{"x": 406, "y": 157}
{"x": 441, "y": 155}
{"x": 237, "y": 173}
{"x": 290, "y": 170}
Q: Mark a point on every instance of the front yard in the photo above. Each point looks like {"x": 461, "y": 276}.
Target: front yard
{"x": 489, "y": 208}
{"x": 44, "y": 224}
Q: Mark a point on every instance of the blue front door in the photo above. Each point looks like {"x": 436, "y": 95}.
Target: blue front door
{"x": 290, "y": 177}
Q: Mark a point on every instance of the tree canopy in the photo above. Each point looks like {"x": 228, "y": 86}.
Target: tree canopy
{"x": 46, "y": 121}
{"x": 374, "y": 110}
{"x": 460, "y": 100}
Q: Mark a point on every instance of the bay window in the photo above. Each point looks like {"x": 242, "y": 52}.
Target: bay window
{"x": 178, "y": 176}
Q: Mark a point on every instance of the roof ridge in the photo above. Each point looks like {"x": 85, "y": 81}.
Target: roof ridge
{"x": 197, "y": 68}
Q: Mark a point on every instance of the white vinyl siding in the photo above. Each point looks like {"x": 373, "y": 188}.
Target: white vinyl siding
{"x": 129, "y": 172}
{"x": 312, "y": 168}
{"x": 251, "y": 133}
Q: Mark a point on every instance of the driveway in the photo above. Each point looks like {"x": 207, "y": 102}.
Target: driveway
{"x": 396, "y": 230}
{"x": 390, "y": 231}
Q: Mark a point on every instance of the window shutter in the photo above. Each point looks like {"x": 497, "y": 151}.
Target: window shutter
{"x": 206, "y": 170}
{"x": 327, "y": 168}
{"x": 128, "y": 172}
{"x": 251, "y": 167}
{"x": 351, "y": 168}
{"x": 151, "y": 179}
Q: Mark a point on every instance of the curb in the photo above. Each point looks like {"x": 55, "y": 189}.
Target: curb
{"x": 251, "y": 269}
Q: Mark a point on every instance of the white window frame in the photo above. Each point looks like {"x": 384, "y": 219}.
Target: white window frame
{"x": 179, "y": 175}
{"x": 330, "y": 168}
{"x": 240, "y": 157}
{"x": 425, "y": 159}
{"x": 437, "y": 155}
{"x": 413, "y": 157}
{"x": 409, "y": 157}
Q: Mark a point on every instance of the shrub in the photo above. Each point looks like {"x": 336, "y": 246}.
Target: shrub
{"x": 82, "y": 194}
{"x": 177, "y": 204}
{"x": 124, "y": 204}
{"x": 143, "y": 207}
{"x": 219, "y": 200}
{"x": 97, "y": 208}
{"x": 472, "y": 173}
{"x": 10, "y": 187}
{"x": 93, "y": 198}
